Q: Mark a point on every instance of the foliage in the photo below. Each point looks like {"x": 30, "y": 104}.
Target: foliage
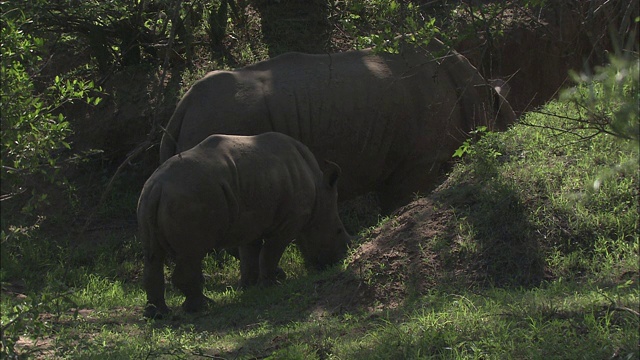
{"x": 34, "y": 128}
{"x": 378, "y": 23}
{"x": 117, "y": 32}
{"x": 384, "y": 24}
{"x": 607, "y": 102}
{"x": 469, "y": 20}
{"x": 123, "y": 33}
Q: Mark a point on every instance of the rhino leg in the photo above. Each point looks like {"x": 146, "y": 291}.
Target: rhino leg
{"x": 153, "y": 281}
{"x": 187, "y": 277}
{"x": 235, "y": 252}
{"x": 249, "y": 264}
{"x": 270, "y": 255}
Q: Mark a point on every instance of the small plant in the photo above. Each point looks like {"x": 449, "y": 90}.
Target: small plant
{"x": 467, "y": 147}
{"x": 607, "y": 101}
{"x": 29, "y": 319}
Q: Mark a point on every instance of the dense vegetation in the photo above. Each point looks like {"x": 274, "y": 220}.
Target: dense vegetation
{"x": 534, "y": 253}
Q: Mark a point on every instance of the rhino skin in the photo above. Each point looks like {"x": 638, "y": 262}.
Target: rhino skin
{"x": 390, "y": 121}
{"x": 255, "y": 193}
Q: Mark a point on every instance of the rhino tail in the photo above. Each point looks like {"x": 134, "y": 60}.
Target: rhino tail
{"x": 150, "y": 236}
{"x": 171, "y": 133}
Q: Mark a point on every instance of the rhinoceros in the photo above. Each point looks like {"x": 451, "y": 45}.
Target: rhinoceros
{"x": 255, "y": 193}
{"x": 390, "y": 121}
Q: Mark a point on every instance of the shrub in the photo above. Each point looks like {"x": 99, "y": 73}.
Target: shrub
{"x": 33, "y": 127}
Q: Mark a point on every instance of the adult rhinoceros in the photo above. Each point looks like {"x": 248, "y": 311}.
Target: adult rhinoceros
{"x": 255, "y": 193}
{"x": 388, "y": 120}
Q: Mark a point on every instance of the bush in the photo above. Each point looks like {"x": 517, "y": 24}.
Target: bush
{"x": 33, "y": 127}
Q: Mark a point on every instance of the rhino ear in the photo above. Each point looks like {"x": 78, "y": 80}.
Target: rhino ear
{"x": 331, "y": 174}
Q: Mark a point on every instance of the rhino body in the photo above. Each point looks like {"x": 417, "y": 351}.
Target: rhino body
{"x": 255, "y": 193}
{"x": 390, "y": 121}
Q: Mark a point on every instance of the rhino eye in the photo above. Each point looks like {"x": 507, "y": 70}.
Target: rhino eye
{"x": 339, "y": 232}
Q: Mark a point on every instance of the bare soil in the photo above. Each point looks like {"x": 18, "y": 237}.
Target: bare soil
{"x": 397, "y": 261}
{"x": 400, "y": 260}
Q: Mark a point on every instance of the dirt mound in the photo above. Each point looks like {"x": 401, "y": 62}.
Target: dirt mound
{"x": 471, "y": 232}
{"x": 397, "y": 261}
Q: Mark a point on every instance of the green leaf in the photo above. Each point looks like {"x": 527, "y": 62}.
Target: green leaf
{"x": 459, "y": 152}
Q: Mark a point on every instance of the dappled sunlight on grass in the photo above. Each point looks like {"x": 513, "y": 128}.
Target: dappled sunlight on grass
{"x": 516, "y": 255}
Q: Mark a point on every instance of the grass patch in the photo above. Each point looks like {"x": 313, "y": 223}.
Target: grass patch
{"x": 557, "y": 321}
{"x": 570, "y": 201}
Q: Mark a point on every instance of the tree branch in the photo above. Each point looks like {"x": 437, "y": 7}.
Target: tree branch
{"x": 144, "y": 146}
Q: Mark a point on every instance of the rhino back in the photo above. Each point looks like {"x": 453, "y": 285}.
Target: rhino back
{"x": 228, "y": 191}
{"x": 368, "y": 113}
{"x": 343, "y": 107}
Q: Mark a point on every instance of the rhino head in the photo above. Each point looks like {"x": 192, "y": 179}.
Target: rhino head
{"x": 324, "y": 241}
{"x": 504, "y": 114}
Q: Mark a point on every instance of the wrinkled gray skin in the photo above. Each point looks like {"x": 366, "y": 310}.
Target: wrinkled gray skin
{"x": 255, "y": 193}
{"x": 390, "y": 121}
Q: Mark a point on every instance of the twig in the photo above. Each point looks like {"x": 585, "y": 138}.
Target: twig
{"x": 4, "y": 197}
{"x": 624, "y": 308}
{"x": 154, "y": 127}
{"x": 200, "y": 354}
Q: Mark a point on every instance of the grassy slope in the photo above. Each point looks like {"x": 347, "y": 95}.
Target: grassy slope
{"x": 528, "y": 261}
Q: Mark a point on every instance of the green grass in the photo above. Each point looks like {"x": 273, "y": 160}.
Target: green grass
{"x": 550, "y": 322}
{"x": 560, "y": 320}
{"x": 542, "y": 183}
{"x": 554, "y": 263}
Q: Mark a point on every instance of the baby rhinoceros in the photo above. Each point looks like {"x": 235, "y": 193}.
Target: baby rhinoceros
{"x": 255, "y": 193}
